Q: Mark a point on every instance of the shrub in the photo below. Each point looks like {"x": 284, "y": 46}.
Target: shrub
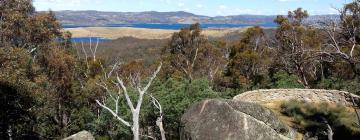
{"x": 176, "y": 97}
{"x": 314, "y": 120}
{"x": 282, "y": 79}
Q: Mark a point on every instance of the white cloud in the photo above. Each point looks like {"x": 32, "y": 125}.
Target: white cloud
{"x": 222, "y": 7}
{"x": 66, "y": 4}
{"x": 181, "y": 4}
{"x": 199, "y": 6}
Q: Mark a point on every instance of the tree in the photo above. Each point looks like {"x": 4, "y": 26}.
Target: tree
{"x": 59, "y": 66}
{"x": 183, "y": 49}
{"x": 16, "y": 117}
{"x": 212, "y": 61}
{"x": 14, "y": 15}
{"x": 176, "y": 96}
{"x": 21, "y": 26}
{"x": 17, "y": 92}
{"x": 249, "y": 58}
{"x": 133, "y": 70}
{"x": 343, "y": 36}
{"x": 298, "y": 45}
{"x": 134, "y": 108}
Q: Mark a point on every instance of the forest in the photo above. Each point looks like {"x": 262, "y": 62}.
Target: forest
{"x": 51, "y": 87}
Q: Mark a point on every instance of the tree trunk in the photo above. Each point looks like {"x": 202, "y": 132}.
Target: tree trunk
{"x": 355, "y": 106}
{"x": 10, "y": 132}
{"x": 135, "y": 126}
{"x": 159, "y": 123}
{"x": 329, "y": 132}
{"x": 190, "y": 78}
{"x": 303, "y": 76}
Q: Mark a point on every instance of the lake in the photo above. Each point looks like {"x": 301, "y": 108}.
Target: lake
{"x": 161, "y": 26}
{"x": 177, "y": 26}
{"x": 87, "y": 40}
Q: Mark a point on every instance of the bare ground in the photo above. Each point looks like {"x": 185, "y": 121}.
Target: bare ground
{"x": 141, "y": 33}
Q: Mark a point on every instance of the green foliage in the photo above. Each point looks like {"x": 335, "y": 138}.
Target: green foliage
{"x": 352, "y": 86}
{"x": 313, "y": 119}
{"x": 282, "y": 79}
{"x": 248, "y": 59}
{"x": 176, "y": 97}
{"x": 113, "y": 128}
{"x": 15, "y": 117}
{"x": 189, "y": 55}
{"x": 21, "y": 26}
{"x": 48, "y": 92}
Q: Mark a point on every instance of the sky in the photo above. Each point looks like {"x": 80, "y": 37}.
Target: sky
{"x": 200, "y": 7}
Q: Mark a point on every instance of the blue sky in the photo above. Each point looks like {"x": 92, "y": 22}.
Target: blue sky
{"x": 201, "y": 7}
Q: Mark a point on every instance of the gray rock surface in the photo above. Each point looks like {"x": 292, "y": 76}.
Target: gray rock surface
{"x": 83, "y": 135}
{"x": 307, "y": 95}
{"x": 232, "y": 120}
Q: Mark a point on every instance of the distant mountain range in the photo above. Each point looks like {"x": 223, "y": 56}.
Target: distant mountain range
{"x": 97, "y": 18}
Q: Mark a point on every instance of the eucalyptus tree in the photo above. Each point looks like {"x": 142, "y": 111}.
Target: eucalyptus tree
{"x": 121, "y": 90}
{"x": 297, "y": 44}
{"x": 22, "y": 26}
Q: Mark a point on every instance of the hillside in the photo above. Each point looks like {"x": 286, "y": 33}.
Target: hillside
{"x": 129, "y": 48}
{"x": 98, "y": 18}
{"x": 92, "y": 18}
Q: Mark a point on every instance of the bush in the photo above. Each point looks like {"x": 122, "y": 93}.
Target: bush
{"x": 314, "y": 119}
{"x": 176, "y": 97}
{"x": 282, "y": 79}
{"x": 352, "y": 86}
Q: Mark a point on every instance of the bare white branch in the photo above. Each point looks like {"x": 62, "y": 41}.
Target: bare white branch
{"x": 114, "y": 114}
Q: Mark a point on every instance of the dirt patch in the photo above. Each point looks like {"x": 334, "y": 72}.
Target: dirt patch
{"x": 141, "y": 33}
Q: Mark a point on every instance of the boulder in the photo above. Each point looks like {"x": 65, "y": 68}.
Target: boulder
{"x": 307, "y": 95}
{"x": 232, "y": 120}
{"x": 83, "y": 135}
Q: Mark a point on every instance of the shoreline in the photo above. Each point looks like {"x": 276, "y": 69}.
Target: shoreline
{"x": 142, "y": 33}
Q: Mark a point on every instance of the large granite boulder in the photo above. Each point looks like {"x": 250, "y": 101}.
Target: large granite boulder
{"x": 308, "y": 95}
{"x": 232, "y": 120}
{"x": 83, "y": 135}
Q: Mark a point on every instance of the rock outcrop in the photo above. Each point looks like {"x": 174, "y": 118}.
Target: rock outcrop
{"x": 307, "y": 95}
{"x": 247, "y": 117}
{"x": 83, "y": 135}
{"x": 232, "y": 120}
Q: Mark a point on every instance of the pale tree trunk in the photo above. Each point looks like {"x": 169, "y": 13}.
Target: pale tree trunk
{"x": 10, "y": 132}
{"x": 159, "y": 123}
{"x": 135, "y": 110}
{"x": 329, "y": 132}
{"x": 135, "y": 127}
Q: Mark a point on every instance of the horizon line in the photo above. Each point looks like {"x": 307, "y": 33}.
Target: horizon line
{"x": 173, "y": 12}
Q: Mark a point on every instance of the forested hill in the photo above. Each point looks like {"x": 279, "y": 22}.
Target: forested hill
{"x": 92, "y": 18}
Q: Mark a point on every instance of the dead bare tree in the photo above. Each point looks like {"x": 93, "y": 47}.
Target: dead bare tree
{"x": 297, "y": 42}
{"x": 93, "y": 50}
{"x": 134, "y": 108}
{"x": 159, "y": 121}
{"x": 343, "y": 36}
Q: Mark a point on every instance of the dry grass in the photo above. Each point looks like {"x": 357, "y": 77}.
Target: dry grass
{"x": 141, "y": 33}
{"x": 276, "y": 108}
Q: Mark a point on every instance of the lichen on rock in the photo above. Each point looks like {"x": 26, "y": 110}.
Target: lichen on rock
{"x": 232, "y": 120}
{"x": 83, "y": 135}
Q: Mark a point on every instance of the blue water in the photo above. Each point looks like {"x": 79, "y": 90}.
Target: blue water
{"x": 160, "y": 26}
{"x": 87, "y": 39}
{"x": 177, "y": 26}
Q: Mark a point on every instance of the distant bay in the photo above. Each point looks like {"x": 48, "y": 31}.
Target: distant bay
{"x": 159, "y": 26}
{"x": 176, "y": 26}
{"x": 89, "y": 39}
